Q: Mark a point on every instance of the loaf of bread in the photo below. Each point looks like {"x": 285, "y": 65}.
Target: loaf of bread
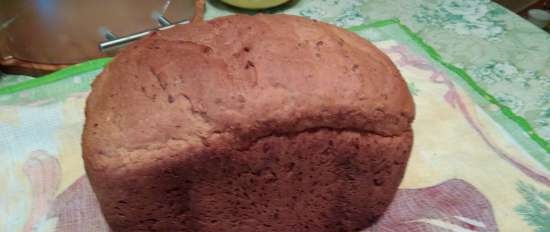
{"x": 248, "y": 123}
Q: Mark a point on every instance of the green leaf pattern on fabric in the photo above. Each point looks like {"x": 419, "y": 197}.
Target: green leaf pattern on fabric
{"x": 465, "y": 17}
{"x": 510, "y": 85}
{"x": 504, "y": 54}
{"x": 542, "y": 120}
{"x": 348, "y": 11}
{"x": 536, "y": 208}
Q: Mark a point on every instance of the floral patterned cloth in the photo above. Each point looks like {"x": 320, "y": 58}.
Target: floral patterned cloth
{"x": 497, "y": 179}
{"x": 505, "y": 54}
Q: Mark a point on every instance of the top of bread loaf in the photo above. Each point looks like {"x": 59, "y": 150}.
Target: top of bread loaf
{"x": 233, "y": 80}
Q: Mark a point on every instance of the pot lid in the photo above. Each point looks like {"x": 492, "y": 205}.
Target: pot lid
{"x": 69, "y": 31}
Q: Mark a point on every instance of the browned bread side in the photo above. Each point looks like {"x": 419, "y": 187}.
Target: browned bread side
{"x": 182, "y": 125}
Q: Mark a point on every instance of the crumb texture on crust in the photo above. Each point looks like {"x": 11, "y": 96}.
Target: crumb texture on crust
{"x": 314, "y": 181}
{"x": 307, "y": 116}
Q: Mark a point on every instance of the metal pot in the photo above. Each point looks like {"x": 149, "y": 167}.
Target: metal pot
{"x": 38, "y": 36}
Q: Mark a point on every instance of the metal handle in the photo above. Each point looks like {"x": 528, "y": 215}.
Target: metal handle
{"x": 114, "y": 42}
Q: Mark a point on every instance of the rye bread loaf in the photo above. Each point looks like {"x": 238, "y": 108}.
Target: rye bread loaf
{"x": 248, "y": 123}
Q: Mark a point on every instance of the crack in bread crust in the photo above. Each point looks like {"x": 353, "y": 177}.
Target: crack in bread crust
{"x": 217, "y": 140}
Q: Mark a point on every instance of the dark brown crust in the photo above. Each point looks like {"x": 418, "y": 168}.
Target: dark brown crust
{"x": 174, "y": 109}
{"x": 320, "y": 180}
